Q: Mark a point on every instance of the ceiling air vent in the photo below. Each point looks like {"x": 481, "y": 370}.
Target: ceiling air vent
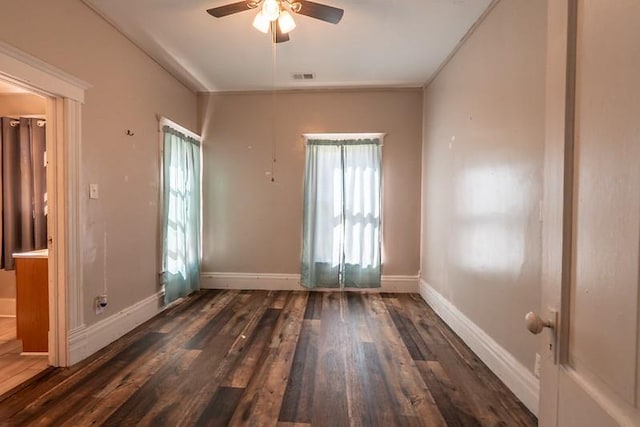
{"x": 303, "y": 76}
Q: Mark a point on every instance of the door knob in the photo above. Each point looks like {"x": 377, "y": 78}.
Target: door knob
{"x": 535, "y": 324}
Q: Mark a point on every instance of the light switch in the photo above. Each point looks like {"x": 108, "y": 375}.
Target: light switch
{"x": 93, "y": 191}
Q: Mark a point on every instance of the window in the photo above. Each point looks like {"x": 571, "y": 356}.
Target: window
{"x": 342, "y": 199}
{"x": 180, "y": 211}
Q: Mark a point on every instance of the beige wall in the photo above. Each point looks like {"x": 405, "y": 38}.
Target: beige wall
{"x": 7, "y": 286}
{"x": 254, "y": 225}
{"x": 128, "y": 90}
{"x": 15, "y": 105}
{"x": 482, "y": 175}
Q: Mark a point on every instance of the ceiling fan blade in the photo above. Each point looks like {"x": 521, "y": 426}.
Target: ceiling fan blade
{"x": 278, "y": 35}
{"x": 321, "y": 11}
{"x": 228, "y": 9}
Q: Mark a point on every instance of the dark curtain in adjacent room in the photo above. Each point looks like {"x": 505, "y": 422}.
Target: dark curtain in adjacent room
{"x": 23, "y": 184}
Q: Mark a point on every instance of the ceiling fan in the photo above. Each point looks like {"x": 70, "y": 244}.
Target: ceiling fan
{"x": 275, "y": 15}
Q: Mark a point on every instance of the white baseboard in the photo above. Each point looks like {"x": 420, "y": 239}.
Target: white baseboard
{"x": 516, "y": 376}
{"x": 253, "y": 281}
{"x": 7, "y": 307}
{"x": 400, "y": 284}
{"x": 86, "y": 340}
{"x": 291, "y": 282}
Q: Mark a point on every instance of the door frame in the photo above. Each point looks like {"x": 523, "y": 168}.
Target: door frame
{"x": 558, "y": 197}
{"x": 65, "y": 96}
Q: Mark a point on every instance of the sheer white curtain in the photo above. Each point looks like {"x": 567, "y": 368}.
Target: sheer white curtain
{"x": 341, "y": 224}
{"x": 181, "y": 214}
{"x": 361, "y": 169}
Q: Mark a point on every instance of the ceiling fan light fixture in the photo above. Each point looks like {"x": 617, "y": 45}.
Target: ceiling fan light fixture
{"x": 261, "y": 23}
{"x": 286, "y": 22}
{"x": 271, "y": 9}
{"x": 277, "y": 15}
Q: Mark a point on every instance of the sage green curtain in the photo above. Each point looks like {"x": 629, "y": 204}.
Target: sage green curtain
{"x": 341, "y": 222}
{"x": 181, "y": 215}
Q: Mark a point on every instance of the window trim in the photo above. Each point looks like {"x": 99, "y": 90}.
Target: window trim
{"x": 344, "y": 136}
{"x": 162, "y": 122}
{"x": 347, "y": 139}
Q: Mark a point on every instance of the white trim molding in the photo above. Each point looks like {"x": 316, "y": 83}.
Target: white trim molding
{"x": 343, "y": 136}
{"x": 86, "y": 340}
{"x": 65, "y": 94}
{"x": 400, "y": 284}
{"x": 516, "y": 376}
{"x": 253, "y": 281}
{"x": 291, "y": 282}
{"x": 164, "y": 121}
{"x": 30, "y": 72}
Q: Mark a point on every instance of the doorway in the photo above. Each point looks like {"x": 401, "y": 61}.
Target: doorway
{"x": 24, "y": 297}
{"x": 64, "y": 95}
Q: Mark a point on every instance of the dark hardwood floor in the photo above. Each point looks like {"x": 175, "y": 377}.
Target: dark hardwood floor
{"x": 276, "y": 358}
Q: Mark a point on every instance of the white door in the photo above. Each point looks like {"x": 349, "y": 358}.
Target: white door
{"x": 591, "y": 266}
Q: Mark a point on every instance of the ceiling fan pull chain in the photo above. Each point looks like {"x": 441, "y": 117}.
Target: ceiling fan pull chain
{"x": 274, "y": 108}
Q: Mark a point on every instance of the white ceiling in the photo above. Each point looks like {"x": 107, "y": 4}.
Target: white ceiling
{"x": 390, "y": 43}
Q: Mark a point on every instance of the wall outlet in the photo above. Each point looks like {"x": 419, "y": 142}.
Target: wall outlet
{"x": 100, "y": 303}
{"x": 536, "y": 366}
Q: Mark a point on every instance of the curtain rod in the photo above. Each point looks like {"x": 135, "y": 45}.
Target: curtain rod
{"x": 343, "y": 136}
{"x": 15, "y": 123}
{"x": 163, "y": 121}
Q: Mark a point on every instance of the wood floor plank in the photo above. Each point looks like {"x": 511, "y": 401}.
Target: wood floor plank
{"x": 26, "y": 368}
{"x": 377, "y": 390}
{"x": 452, "y": 404}
{"x": 218, "y": 356}
{"x": 149, "y": 407}
{"x": 56, "y": 409}
{"x": 412, "y": 339}
{"x": 127, "y": 381}
{"x": 280, "y": 358}
{"x": 124, "y": 382}
{"x": 409, "y": 391}
{"x": 220, "y": 409}
{"x": 261, "y": 401}
{"x": 313, "y": 310}
{"x": 201, "y": 303}
{"x": 368, "y": 395}
{"x": 26, "y": 394}
{"x": 359, "y": 327}
{"x": 458, "y": 370}
{"x": 474, "y": 380}
{"x": 176, "y": 379}
{"x": 59, "y": 381}
{"x": 279, "y": 299}
{"x": 330, "y": 386}
{"x": 215, "y": 325}
{"x": 297, "y": 403}
{"x": 238, "y": 364}
{"x": 254, "y": 347}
